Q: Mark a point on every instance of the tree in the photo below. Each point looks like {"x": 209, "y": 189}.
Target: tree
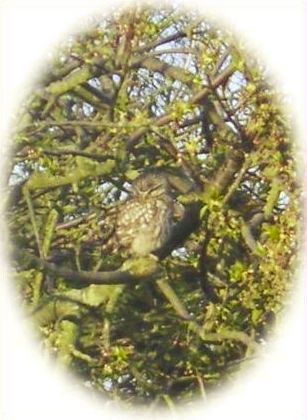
{"x": 150, "y": 88}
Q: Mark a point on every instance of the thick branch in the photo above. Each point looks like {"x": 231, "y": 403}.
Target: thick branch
{"x": 161, "y": 41}
{"x": 225, "y": 175}
{"x": 107, "y": 99}
{"x": 71, "y": 152}
{"x": 216, "y": 82}
{"x": 156, "y": 65}
{"x": 57, "y": 74}
{"x": 170, "y": 38}
{"x": 214, "y": 187}
{"x": 132, "y": 271}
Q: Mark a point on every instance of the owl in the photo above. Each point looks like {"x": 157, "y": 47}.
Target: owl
{"x": 143, "y": 223}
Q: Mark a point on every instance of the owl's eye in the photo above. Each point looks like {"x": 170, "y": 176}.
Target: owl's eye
{"x": 155, "y": 187}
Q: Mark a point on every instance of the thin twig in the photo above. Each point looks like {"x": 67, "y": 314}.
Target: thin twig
{"x": 33, "y": 221}
{"x": 173, "y": 299}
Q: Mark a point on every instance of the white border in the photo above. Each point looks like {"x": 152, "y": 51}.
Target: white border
{"x": 31, "y": 389}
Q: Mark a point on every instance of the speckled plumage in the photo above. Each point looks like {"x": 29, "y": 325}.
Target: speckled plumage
{"x": 143, "y": 223}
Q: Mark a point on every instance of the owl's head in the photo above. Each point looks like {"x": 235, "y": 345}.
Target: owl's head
{"x": 153, "y": 184}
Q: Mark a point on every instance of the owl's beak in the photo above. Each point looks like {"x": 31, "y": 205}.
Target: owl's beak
{"x": 142, "y": 193}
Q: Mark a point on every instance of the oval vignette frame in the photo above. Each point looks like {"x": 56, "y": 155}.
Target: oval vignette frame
{"x": 28, "y": 345}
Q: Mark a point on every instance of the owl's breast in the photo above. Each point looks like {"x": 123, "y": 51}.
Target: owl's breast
{"x": 145, "y": 226}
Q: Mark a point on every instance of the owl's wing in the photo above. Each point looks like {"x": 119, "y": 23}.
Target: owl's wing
{"x": 109, "y": 227}
{"x": 178, "y": 211}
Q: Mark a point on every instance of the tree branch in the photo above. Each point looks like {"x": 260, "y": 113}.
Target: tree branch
{"x": 170, "y": 38}
{"x": 108, "y": 100}
{"x": 71, "y": 152}
{"x": 132, "y": 271}
{"x": 156, "y": 65}
{"x": 161, "y": 41}
{"x": 168, "y": 118}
